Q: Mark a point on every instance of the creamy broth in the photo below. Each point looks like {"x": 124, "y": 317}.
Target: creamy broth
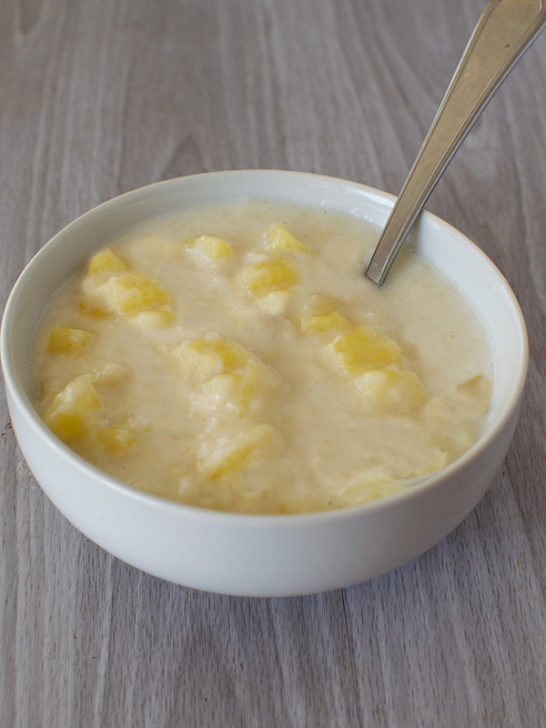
{"x": 235, "y": 358}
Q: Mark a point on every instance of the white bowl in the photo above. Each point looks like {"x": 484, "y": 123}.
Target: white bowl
{"x": 249, "y": 554}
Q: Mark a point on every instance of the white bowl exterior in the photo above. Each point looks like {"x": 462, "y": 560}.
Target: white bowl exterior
{"x": 262, "y": 555}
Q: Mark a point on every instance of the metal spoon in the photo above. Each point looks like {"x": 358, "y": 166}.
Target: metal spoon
{"x": 503, "y": 33}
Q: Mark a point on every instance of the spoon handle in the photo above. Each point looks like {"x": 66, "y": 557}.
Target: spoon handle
{"x": 503, "y": 33}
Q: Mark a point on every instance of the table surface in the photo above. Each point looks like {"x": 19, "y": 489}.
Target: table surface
{"x": 101, "y": 97}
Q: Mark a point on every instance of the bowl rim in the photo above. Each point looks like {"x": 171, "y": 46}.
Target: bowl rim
{"x": 424, "y": 484}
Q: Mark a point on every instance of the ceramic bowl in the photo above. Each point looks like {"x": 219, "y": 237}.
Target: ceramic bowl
{"x": 252, "y": 554}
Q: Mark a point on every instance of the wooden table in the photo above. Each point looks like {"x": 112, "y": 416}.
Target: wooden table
{"x": 100, "y": 97}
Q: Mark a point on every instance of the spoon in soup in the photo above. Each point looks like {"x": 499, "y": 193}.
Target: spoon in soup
{"x": 504, "y": 31}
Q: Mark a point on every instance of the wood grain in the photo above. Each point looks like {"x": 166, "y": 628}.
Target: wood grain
{"x": 101, "y": 97}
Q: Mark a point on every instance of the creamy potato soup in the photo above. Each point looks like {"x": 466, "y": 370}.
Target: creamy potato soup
{"x": 235, "y": 358}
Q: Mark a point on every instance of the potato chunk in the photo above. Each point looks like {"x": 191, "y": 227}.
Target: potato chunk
{"x": 111, "y": 374}
{"x": 392, "y": 390}
{"x": 93, "y": 305}
{"x": 71, "y": 410}
{"x": 159, "y": 318}
{"x": 276, "y": 274}
{"x": 279, "y": 238}
{"x": 210, "y": 247}
{"x": 106, "y": 261}
{"x": 64, "y": 340}
{"x": 131, "y": 293}
{"x": 325, "y": 322}
{"x": 203, "y": 358}
{"x": 118, "y": 440}
{"x": 234, "y": 391}
{"x": 370, "y": 485}
{"x": 275, "y": 302}
{"x": 359, "y": 350}
{"x": 232, "y": 454}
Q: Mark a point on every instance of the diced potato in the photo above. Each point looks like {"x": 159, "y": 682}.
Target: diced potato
{"x": 451, "y": 421}
{"x": 71, "y": 410}
{"x": 278, "y": 237}
{"x": 325, "y": 322}
{"x": 117, "y": 440}
{"x": 234, "y": 390}
{"x": 159, "y": 318}
{"x": 321, "y": 303}
{"x": 228, "y": 455}
{"x": 437, "y": 461}
{"x": 370, "y": 485}
{"x": 210, "y": 247}
{"x": 219, "y": 499}
{"x": 209, "y": 356}
{"x": 106, "y": 261}
{"x": 276, "y": 274}
{"x": 392, "y": 390}
{"x": 274, "y": 302}
{"x": 188, "y": 489}
{"x": 64, "y": 340}
{"x": 111, "y": 374}
{"x": 377, "y": 482}
{"x": 195, "y": 359}
{"x": 132, "y": 293}
{"x": 139, "y": 423}
{"x": 93, "y": 305}
{"x": 359, "y": 350}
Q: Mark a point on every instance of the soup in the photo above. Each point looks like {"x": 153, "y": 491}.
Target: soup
{"x": 235, "y": 358}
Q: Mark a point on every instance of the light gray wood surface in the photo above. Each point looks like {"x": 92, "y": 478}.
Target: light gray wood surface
{"x": 100, "y": 97}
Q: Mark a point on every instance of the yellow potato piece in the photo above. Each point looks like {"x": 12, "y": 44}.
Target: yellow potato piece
{"x": 321, "y": 303}
{"x": 90, "y": 304}
{"x": 370, "y": 485}
{"x": 276, "y": 274}
{"x": 362, "y": 349}
{"x": 377, "y": 482}
{"x": 279, "y": 238}
{"x": 234, "y": 390}
{"x": 113, "y": 373}
{"x": 159, "y": 318}
{"x": 232, "y": 454}
{"x": 117, "y": 440}
{"x": 106, "y": 261}
{"x": 64, "y": 340}
{"x": 392, "y": 390}
{"x": 197, "y": 360}
{"x": 437, "y": 462}
{"x": 132, "y": 293}
{"x": 209, "y": 356}
{"x": 274, "y": 302}
{"x": 324, "y": 322}
{"x": 71, "y": 410}
{"x": 211, "y": 247}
